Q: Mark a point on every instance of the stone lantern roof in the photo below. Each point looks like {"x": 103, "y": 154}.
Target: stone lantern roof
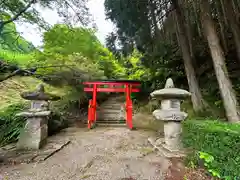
{"x": 39, "y": 94}
{"x": 170, "y": 92}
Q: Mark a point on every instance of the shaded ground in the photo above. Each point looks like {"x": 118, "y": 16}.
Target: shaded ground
{"x": 102, "y": 153}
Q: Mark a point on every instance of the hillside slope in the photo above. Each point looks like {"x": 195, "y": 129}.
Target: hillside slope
{"x": 10, "y": 90}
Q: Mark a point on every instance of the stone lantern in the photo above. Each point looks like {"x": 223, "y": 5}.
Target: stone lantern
{"x": 35, "y": 132}
{"x": 171, "y": 115}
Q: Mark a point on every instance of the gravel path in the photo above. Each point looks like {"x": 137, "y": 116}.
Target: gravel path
{"x": 99, "y": 154}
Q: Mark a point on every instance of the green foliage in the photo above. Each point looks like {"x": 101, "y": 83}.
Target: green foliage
{"x": 78, "y": 47}
{"x": 108, "y": 63}
{"x": 218, "y": 143}
{"x": 66, "y": 40}
{"x": 16, "y": 58}
{"x": 146, "y": 107}
{"x": 12, "y": 41}
{"x": 66, "y": 69}
{"x": 208, "y": 160}
{"x": 10, "y": 124}
{"x": 136, "y": 70}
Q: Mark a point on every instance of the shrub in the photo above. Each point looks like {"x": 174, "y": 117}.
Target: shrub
{"x": 218, "y": 139}
{"x": 10, "y": 124}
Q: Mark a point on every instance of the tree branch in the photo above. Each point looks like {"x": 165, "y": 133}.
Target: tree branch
{"x": 79, "y": 18}
{"x": 16, "y": 72}
{"x": 167, "y": 13}
{"x": 9, "y": 32}
{"x": 3, "y": 23}
{"x": 30, "y": 71}
{"x": 15, "y": 40}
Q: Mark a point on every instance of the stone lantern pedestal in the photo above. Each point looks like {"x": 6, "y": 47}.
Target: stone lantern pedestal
{"x": 35, "y": 133}
{"x": 171, "y": 115}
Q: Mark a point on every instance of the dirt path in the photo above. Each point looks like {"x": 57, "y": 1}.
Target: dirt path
{"x": 99, "y": 154}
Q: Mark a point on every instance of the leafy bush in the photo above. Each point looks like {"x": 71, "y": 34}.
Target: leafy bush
{"x": 10, "y": 124}
{"x": 217, "y": 139}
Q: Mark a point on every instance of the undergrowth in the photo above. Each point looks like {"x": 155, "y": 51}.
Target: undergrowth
{"x": 215, "y": 145}
{"x": 10, "y": 124}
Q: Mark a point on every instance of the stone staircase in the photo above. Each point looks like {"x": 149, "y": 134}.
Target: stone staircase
{"x": 111, "y": 112}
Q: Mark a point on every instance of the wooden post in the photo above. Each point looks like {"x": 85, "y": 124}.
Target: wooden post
{"x": 128, "y": 106}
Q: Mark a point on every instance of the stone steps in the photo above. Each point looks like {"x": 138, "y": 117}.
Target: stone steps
{"x": 102, "y": 109}
{"x": 112, "y": 125}
{"x": 110, "y": 121}
{"x": 110, "y": 113}
{"x": 108, "y": 118}
{"x": 109, "y": 110}
{"x": 110, "y": 106}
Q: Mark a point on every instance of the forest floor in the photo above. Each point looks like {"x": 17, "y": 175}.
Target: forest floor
{"x": 104, "y": 153}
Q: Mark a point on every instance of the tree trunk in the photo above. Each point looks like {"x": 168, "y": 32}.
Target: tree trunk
{"x": 197, "y": 99}
{"x": 154, "y": 20}
{"x": 233, "y": 25}
{"x": 189, "y": 32}
{"x": 224, "y": 13}
{"x": 237, "y": 4}
{"x": 195, "y": 8}
{"x": 235, "y": 7}
{"x": 225, "y": 85}
{"x": 222, "y": 27}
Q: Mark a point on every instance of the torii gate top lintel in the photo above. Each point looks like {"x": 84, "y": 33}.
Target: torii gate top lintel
{"x": 119, "y": 82}
{"x": 113, "y": 86}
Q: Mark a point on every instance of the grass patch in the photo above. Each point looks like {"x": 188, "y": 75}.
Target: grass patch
{"x": 20, "y": 59}
{"x": 147, "y": 122}
{"x": 10, "y": 90}
{"x": 217, "y": 142}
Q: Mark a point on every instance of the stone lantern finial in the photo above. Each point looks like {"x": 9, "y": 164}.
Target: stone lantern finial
{"x": 169, "y": 83}
{"x": 40, "y": 88}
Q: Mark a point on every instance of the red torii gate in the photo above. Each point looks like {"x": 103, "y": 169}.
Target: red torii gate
{"x": 127, "y": 86}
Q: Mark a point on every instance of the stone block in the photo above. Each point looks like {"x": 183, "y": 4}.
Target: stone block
{"x": 39, "y": 105}
{"x": 172, "y": 133}
{"x": 32, "y": 114}
{"x": 169, "y": 115}
{"x": 170, "y": 104}
{"x": 34, "y": 134}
